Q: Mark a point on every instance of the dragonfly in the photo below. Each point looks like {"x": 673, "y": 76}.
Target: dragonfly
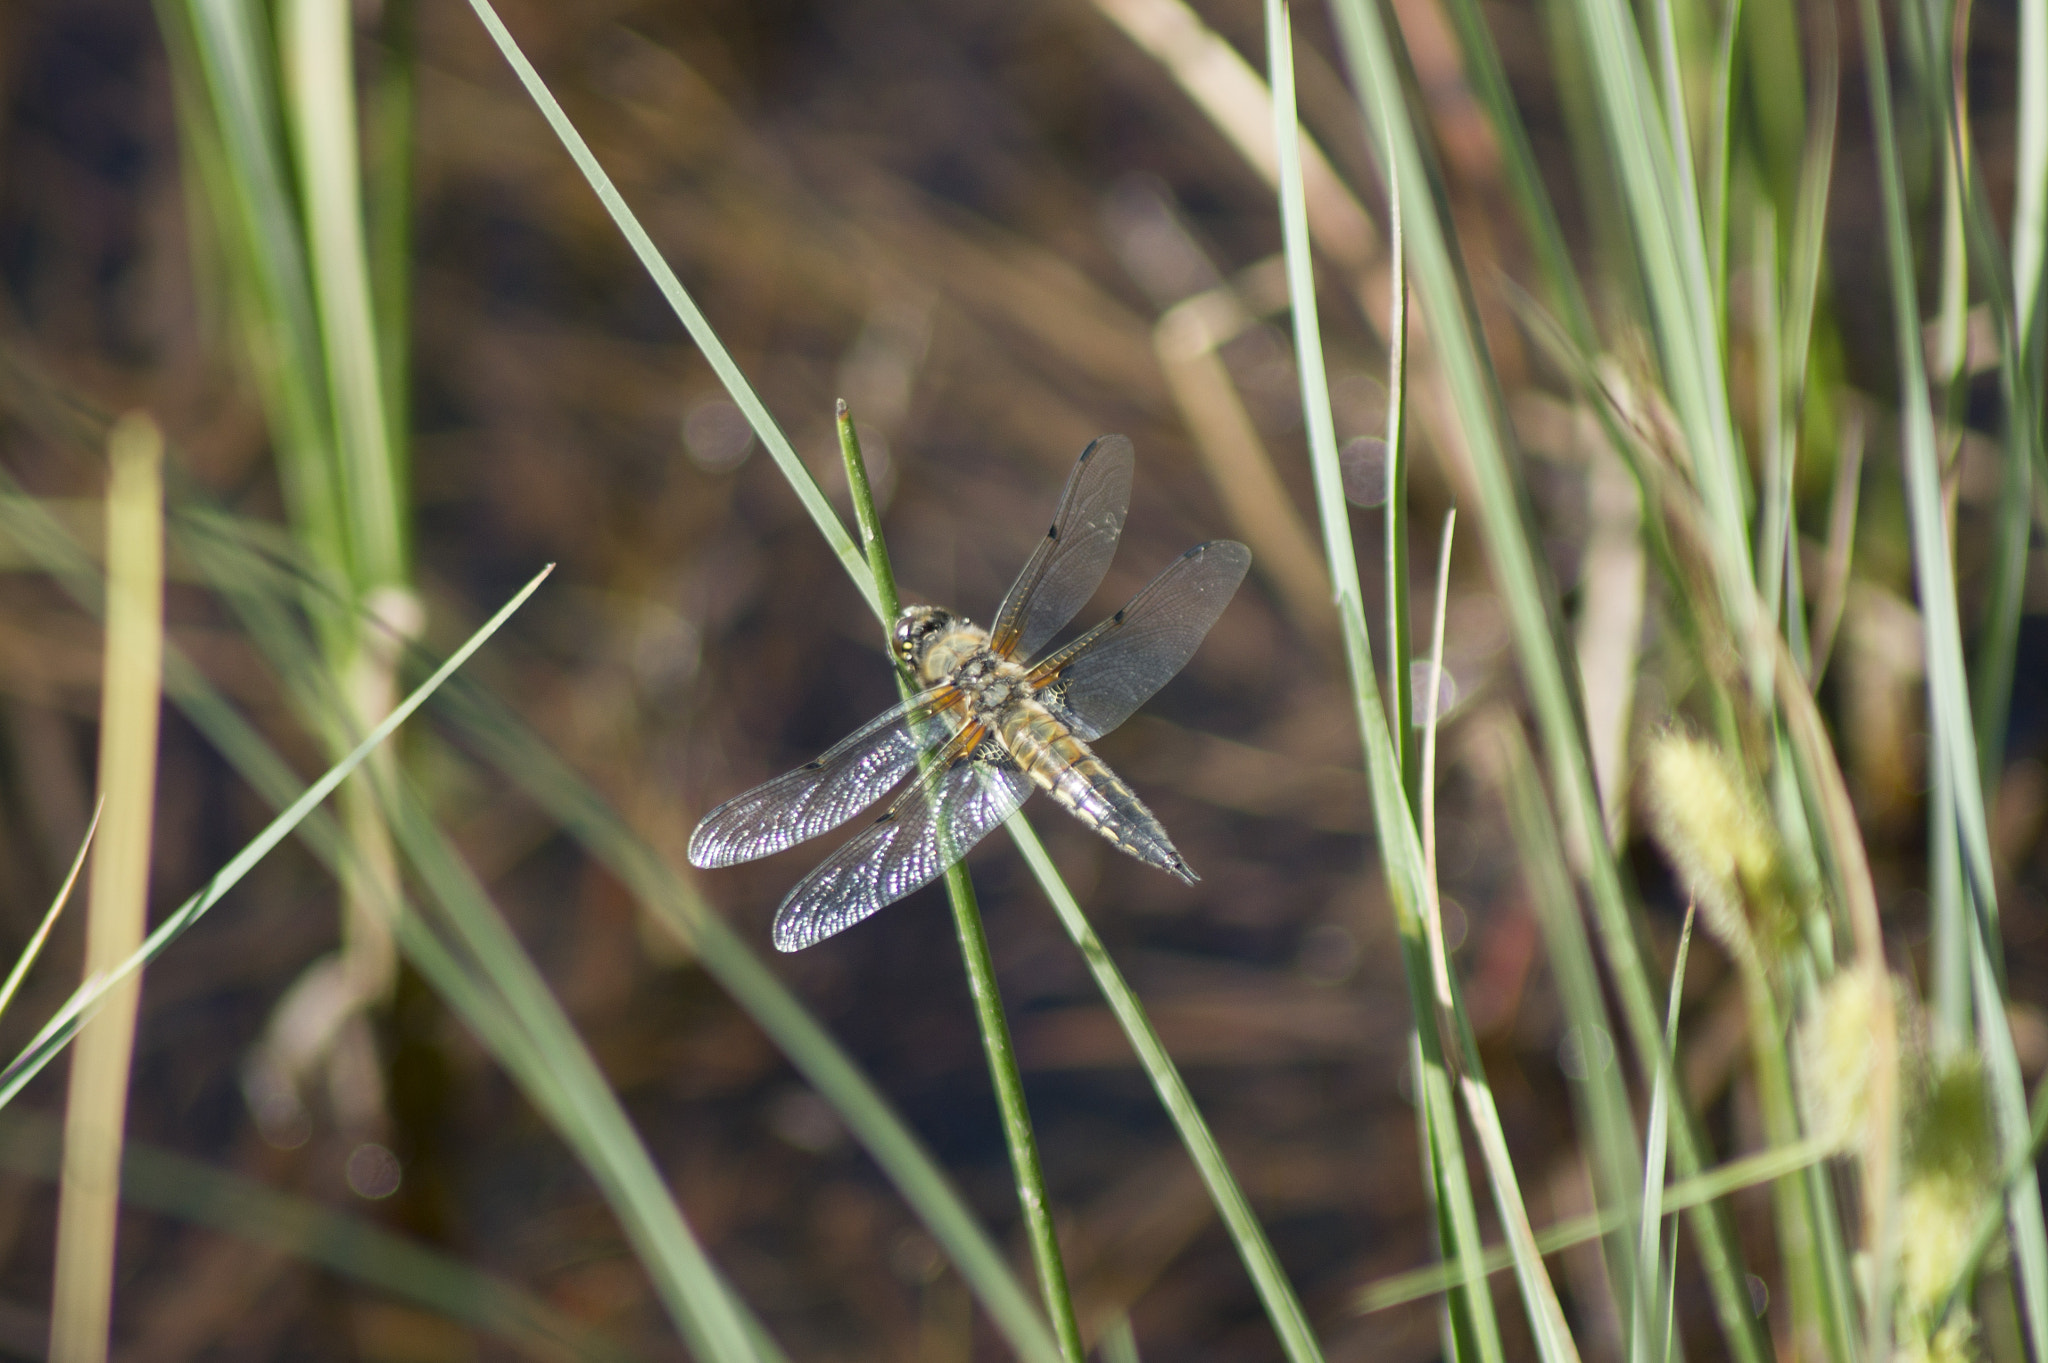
{"x": 988, "y": 727}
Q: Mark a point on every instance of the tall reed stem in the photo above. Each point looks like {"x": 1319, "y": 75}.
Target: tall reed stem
{"x": 981, "y": 966}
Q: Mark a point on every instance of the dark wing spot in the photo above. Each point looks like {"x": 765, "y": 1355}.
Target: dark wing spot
{"x": 1118, "y": 618}
{"x": 886, "y": 815}
{"x": 811, "y": 766}
{"x": 1195, "y": 552}
{"x": 1053, "y": 533}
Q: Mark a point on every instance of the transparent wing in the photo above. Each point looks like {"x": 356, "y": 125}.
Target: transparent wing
{"x": 823, "y": 794}
{"x": 1068, "y": 564}
{"x": 931, "y": 826}
{"x": 1100, "y": 678}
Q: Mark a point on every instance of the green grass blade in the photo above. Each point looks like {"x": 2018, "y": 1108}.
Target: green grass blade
{"x": 1653, "y": 1332}
{"x": 1370, "y": 49}
{"x": 693, "y": 319}
{"x": 2030, "y": 188}
{"x": 226, "y": 82}
{"x": 1283, "y": 1308}
{"x": 317, "y": 44}
{"x": 390, "y": 134}
{"x": 162, "y": 1181}
{"x": 1597, "y": 1092}
{"x": 1119, "y": 1344}
{"x": 1954, "y": 733}
{"x": 1524, "y": 177}
{"x": 1766, "y": 1166}
{"x": 1662, "y": 201}
{"x": 86, "y": 1000}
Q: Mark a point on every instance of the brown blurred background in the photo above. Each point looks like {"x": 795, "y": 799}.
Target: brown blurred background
{"x": 973, "y": 221}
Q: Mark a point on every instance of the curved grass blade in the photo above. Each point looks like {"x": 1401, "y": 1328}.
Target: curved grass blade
{"x": 42, "y": 932}
{"x": 1283, "y": 1308}
{"x": 57, "y": 1033}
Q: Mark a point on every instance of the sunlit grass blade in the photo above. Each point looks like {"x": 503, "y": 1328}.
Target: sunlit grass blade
{"x": 1119, "y": 1344}
{"x": 159, "y": 1180}
{"x": 88, "y": 998}
{"x": 1473, "y": 391}
{"x": 225, "y": 82}
{"x": 1524, "y": 176}
{"x": 1598, "y": 1093}
{"x": 1546, "y": 1315}
{"x": 1654, "y": 172}
{"x": 1954, "y": 731}
{"x": 1707, "y": 1188}
{"x": 317, "y": 45}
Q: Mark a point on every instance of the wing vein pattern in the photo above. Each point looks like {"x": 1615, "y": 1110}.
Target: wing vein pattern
{"x": 819, "y": 796}
{"x": 1096, "y": 682}
{"x": 1067, "y": 567}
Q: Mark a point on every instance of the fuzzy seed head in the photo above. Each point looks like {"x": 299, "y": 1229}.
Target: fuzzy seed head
{"x": 1713, "y": 828}
{"x": 1836, "y": 1061}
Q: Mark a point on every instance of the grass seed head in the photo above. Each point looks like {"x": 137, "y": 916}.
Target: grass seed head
{"x": 1713, "y": 827}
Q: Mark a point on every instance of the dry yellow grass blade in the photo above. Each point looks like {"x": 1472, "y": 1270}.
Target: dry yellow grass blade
{"x": 119, "y": 898}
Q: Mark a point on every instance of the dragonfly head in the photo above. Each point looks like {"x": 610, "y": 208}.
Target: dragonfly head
{"x": 915, "y": 630}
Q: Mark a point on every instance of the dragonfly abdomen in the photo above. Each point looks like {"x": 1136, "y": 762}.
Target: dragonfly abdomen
{"x": 1081, "y": 783}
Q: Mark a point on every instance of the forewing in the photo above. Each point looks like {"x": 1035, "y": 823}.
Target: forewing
{"x": 821, "y": 795}
{"x": 1068, "y": 564}
{"x": 1100, "y": 678}
{"x": 931, "y": 826}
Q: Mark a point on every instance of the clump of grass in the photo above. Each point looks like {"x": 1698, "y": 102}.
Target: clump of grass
{"x": 1688, "y": 124}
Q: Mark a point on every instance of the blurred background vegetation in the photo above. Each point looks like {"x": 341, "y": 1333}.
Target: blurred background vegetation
{"x": 997, "y": 231}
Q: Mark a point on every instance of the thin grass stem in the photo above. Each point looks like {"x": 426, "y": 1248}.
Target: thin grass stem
{"x": 685, "y": 308}
{"x": 1371, "y": 50}
{"x": 979, "y": 962}
{"x": 1473, "y": 1323}
{"x": 1750, "y": 1171}
{"x": 42, "y": 932}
